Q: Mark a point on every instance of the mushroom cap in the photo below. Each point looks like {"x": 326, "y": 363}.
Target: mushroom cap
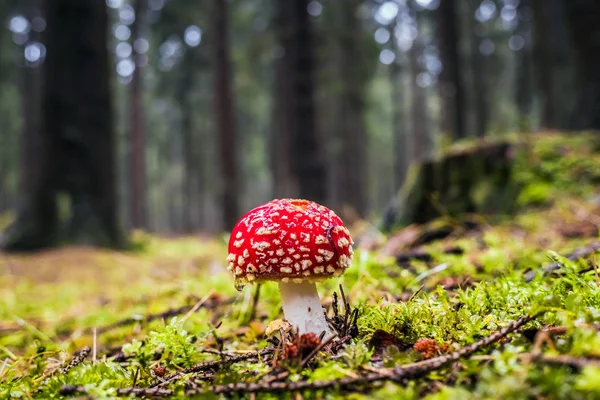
{"x": 289, "y": 240}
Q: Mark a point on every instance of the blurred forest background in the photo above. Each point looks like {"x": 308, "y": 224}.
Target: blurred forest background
{"x": 177, "y": 116}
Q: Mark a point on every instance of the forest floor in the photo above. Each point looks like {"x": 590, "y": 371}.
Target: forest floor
{"x": 506, "y": 308}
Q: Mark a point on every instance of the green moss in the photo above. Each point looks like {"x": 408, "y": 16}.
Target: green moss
{"x": 51, "y": 303}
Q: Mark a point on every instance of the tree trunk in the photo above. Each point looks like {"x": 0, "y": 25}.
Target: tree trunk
{"x": 544, "y": 65}
{"x": 420, "y": 139}
{"x": 225, "y": 116}
{"x": 137, "y": 159}
{"x": 76, "y": 158}
{"x": 351, "y": 120}
{"x": 189, "y": 172}
{"x": 297, "y": 140}
{"x": 399, "y": 133}
{"x": 31, "y": 76}
{"x": 553, "y": 62}
{"x": 523, "y": 59}
{"x": 478, "y": 69}
{"x": 450, "y": 79}
{"x": 284, "y": 182}
{"x": 306, "y": 155}
{"x": 584, "y": 23}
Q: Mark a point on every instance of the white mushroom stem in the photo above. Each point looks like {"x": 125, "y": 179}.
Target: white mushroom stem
{"x": 302, "y": 308}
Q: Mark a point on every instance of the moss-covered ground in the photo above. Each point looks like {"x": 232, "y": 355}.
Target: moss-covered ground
{"x": 167, "y": 321}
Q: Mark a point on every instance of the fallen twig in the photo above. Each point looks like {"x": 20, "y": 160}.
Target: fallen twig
{"x": 209, "y": 304}
{"x": 578, "y": 253}
{"x": 77, "y": 359}
{"x": 565, "y": 359}
{"x": 420, "y": 255}
{"x": 210, "y": 365}
{"x": 423, "y": 367}
{"x": 398, "y": 374}
{"x": 72, "y": 390}
{"x": 320, "y": 347}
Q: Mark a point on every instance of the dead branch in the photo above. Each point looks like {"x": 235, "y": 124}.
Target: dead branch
{"x": 423, "y": 367}
{"x": 565, "y": 359}
{"x": 398, "y": 374}
{"x": 77, "y": 359}
{"x": 173, "y": 312}
{"x": 578, "y": 253}
{"x": 420, "y": 255}
{"x": 212, "y": 365}
{"x": 72, "y": 390}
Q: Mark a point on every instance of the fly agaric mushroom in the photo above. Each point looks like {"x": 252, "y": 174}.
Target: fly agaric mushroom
{"x": 296, "y": 243}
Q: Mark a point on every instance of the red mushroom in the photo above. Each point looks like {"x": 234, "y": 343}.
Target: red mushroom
{"x": 295, "y": 243}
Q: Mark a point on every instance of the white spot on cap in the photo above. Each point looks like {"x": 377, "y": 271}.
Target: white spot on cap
{"x": 241, "y": 261}
{"x": 246, "y": 253}
{"x": 320, "y": 239}
{"x": 344, "y": 261}
{"x": 328, "y": 254}
{"x": 286, "y": 270}
{"x": 287, "y": 260}
{"x": 238, "y": 243}
{"x": 264, "y": 231}
{"x": 238, "y": 235}
{"x": 343, "y": 242}
{"x": 306, "y": 264}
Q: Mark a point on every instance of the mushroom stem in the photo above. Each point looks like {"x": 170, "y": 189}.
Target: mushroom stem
{"x": 302, "y": 307}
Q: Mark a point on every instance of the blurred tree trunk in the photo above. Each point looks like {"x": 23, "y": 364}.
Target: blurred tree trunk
{"x": 478, "y": 69}
{"x": 420, "y": 137}
{"x": 584, "y": 23}
{"x": 450, "y": 79}
{"x": 543, "y": 66}
{"x": 351, "y": 157}
{"x": 523, "y": 59}
{"x": 77, "y": 159}
{"x": 307, "y": 161}
{"x": 284, "y": 183}
{"x": 7, "y": 72}
{"x": 399, "y": 133}
{"x": 553, "y": 55}
{"x": 298, "y": 141}
{"x": 224, "y": 114}
{"x": 30, "y": 106}
{"x": 189, "y": 170}
{"x": 137, "y": 158}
